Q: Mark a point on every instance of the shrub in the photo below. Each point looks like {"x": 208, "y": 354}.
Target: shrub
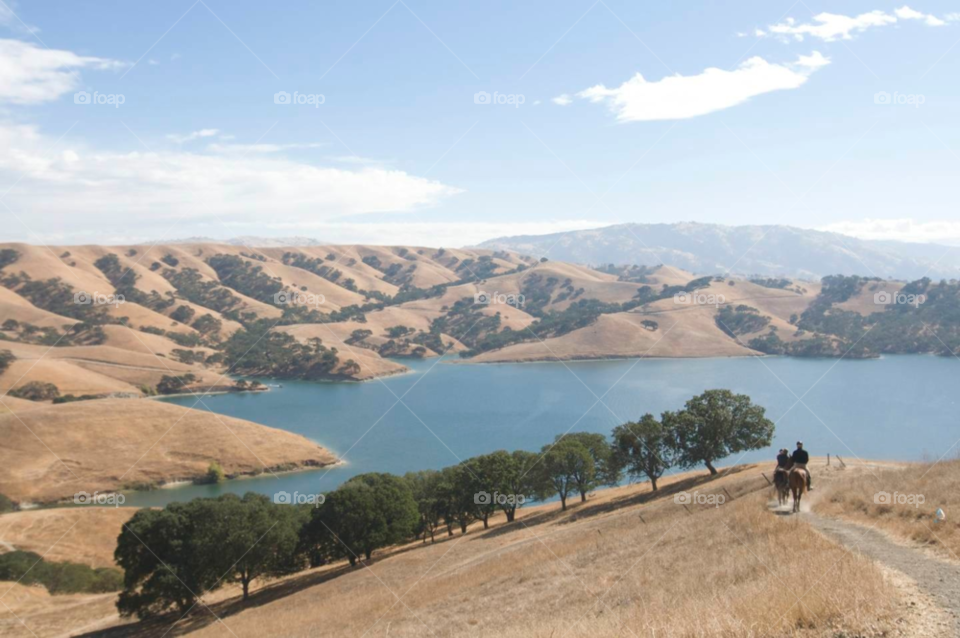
{"x": 6, "y": 358}
{"x": 29, "y": 568}
{"x": 36, "y": 391}
{"x": 215, "y": 473}
{"x": 6, "y": 505}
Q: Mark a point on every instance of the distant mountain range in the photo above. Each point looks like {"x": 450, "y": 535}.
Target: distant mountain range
{"x": 740, "y": 250}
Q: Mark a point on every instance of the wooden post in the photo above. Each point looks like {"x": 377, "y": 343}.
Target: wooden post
{"x": 765, "y": 476}
{"x": 828, "y": 458}
{"x": 727, "y": 493}
{"x": 641, "y": 519}
{"x": 688, "y": 509}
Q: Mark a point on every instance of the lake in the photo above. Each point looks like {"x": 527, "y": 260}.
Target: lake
{"x": 902, "y": 407}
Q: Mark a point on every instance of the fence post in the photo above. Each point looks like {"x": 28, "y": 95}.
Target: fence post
{"x": 765, "y": 476}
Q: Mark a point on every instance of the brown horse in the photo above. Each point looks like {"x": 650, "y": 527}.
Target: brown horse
{"x": 798, "y": 485}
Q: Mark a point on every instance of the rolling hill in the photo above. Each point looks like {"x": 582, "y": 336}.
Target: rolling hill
{"x": 161, "y": 319}
{"x": 770, "y": 251}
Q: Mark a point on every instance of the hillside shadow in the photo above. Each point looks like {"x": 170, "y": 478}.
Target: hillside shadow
{"x": 203, "y": 616}
{"x": 577, "y": 511}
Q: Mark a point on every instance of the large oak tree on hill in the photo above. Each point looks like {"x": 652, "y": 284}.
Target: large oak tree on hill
{"x": 715, "y": 425}
{"x": 644, "y": 448}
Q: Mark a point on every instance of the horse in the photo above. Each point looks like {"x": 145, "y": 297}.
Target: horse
{"x": 781, "y": 482}
{"x": 798, "y": 485}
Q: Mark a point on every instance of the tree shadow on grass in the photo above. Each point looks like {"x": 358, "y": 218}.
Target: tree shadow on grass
{"x": 577, "y": 510}
{"x": 203, "y": 616}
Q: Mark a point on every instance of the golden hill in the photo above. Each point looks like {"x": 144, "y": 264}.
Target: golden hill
{"x": 372, "y": 304}
{"x": 626, "y": 562}
{"x": 53, "y": 452}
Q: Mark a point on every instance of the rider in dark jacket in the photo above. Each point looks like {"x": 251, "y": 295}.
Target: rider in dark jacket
{"x": 783, "y": 459}
{"x": 802, "y": 457}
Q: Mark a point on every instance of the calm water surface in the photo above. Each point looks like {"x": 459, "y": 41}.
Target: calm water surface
{"x": 893, "y": 408}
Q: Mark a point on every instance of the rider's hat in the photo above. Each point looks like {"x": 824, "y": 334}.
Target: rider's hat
{"x": 799, "y": 442}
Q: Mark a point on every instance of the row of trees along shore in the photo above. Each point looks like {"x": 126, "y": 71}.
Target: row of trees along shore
{"x": 172, "y": 556}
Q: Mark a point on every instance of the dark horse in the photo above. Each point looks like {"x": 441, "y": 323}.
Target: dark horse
{"x": 781, "y": 481}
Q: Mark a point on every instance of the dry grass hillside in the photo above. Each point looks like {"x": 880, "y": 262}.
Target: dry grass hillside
{"x": 51, "y": 453}
{"x": 903, "y": 514}
{"x": 627, "y": 562}
{"x": 376, "y": 303}
{"x": 86, "y": 535}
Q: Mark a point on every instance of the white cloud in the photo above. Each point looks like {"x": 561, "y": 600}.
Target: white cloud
{"x": 906, "y": 13}
{"x": 33, "y": 75}
{"x": 952, "y": 17}
{"x": 189, "y": 137}
{"x": 680, "y": 97}
{"x": 562, "y": 100}
{"x": 76, "y": 187}
{"x": 830, "y": 27}
{"x": 244, "y": 149}
{"x": 904, "y": 229}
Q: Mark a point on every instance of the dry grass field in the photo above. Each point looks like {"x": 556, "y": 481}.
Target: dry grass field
{"x": 626, "y": 563}
{"x": 86, "y": 535}
{"x": 901, "y": 514}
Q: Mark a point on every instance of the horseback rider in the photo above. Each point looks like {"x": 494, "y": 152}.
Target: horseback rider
{"x": 800, "y": 458}
{"x": 783, "y": 464}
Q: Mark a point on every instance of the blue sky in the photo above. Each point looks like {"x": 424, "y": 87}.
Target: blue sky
{"x": 749, "y": 114}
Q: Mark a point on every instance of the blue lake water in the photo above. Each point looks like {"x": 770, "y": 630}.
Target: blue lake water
{"x": 902, "y": 407}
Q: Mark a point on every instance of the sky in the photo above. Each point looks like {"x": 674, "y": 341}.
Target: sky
{"x": 448, "y": 123}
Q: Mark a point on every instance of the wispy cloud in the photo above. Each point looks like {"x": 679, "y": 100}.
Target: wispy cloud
{"x": 562, "y": 100}
{"x": 32, "y": 75}
{"x": 194, "y": 135}
{"x": 830, "y": 27}
{"x": 903, "y": 229}
{"x": 680, "y": 97}
{"x": 244, "y": 149}
{"x": 80, "y": 187}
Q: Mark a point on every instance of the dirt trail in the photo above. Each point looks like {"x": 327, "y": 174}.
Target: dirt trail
{"x": 938, "y": 578}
